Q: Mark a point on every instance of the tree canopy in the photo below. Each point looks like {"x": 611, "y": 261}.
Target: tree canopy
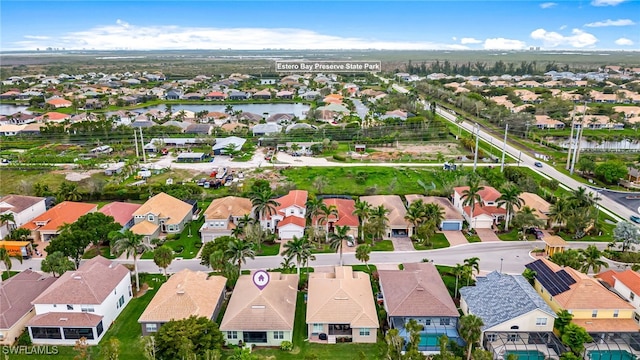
{"x": 182, "y": 339}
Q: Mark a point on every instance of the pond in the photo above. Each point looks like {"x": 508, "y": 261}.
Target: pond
{"x": 8, "y": 109}
{"x": 266, "y": 110}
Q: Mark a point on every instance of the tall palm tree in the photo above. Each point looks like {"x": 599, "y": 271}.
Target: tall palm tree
{"x": 526, "y": 217}
{"x": 326, "y": 213}
{"x": 263, "y": 204}
{"x": 362, "y": 210}
{"x": 592, "y": 259}
{"x": 338, "y": 238}
{"x": 473, "y": 263}
{"x": 471, "y": 197}
{"x": 239, "y": 250}
{"x": 5, "y": 258}
{"x": 510, "y": 199}
{"x": 379, "y": 219}
{"x": 559, "y": 212}
{"x": 416, "y": 214}
{"x": 470, "y": 331}
{"x": 132, "y": 244}
{"x": 435, "y": 213}
{"x": 457, "y": 271}
{"x": 298, "y": 248}
{"x": 314, "y": 208}
{"x": 580, "y": 198}
{"x": 245, "y": 220}
{"x": 363, "y": 253}
{"x": 7, "y": 218}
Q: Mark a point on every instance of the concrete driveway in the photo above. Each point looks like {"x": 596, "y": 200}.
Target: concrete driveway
{"x": 455, "y": 237}
{"x": 402, "y": 244}
{"x": 487, "y": 235}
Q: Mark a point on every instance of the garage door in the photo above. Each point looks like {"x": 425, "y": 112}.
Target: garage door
{"x": 451, "y": 225}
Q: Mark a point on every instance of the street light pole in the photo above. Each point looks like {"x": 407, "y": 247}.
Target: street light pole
{"x": 475, "y": 157}
{"x": 501, "y": 260}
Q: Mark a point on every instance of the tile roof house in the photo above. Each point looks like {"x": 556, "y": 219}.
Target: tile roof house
{"x": 59, "y": 103}
{"x": 452, "y": 218}
{"x": 512, "y": 313}
{"x": 540, "y": 206}
{"x": 397, "y": 226}
{"x": 122, "y": 212}
{"x": 340, "y": 304}
{"x": 625, "y": 283}
{"x": 186, "y": 293}
{"x": 81, "y": 303}
{"x": 222, "y": 216}
{"x": 16, "y": 295}
{"x": 261, "y": 317}
{"x": 161, "y": 214}
{"x": 593, "y": 306}
{"x": 486, "y": 213}
{"x": 418, "y": 293}
{"x": 545, "y": 122}
{"x": 345, "y": 215}
{"x": 23, "y": 208}
{"x": 46, "y": 226}
{"x": 289, "y": 219}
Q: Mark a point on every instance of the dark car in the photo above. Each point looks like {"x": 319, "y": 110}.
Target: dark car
{"x": 635, "y": 219}
{"x": 536, "y": 232}
{"x": 538, "y": 164}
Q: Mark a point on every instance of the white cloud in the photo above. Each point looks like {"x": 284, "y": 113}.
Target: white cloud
{"x": 606, "y": 2}
{"x": 609, "y": 22}
{"x": 563, "y": 27}
{"x": 577, "y": 39}
{"x": 503, "y": 44}
{"x": 469, "y": 40}
{"x": 624, "y": 42}
{"x": 548, "y": 5}
{"x": 454, "y": 38}
{"x": 36, "y": 37}
{"x": 123, "y": 35}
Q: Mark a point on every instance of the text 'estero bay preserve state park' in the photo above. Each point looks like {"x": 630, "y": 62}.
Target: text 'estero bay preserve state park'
{"x": 171, "y": 189}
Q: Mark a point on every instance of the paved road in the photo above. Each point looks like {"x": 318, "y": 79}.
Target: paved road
{"x": 511, "y": 256}
{"x": 612, "y": 208}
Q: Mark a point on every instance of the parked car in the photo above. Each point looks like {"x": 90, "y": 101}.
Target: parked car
{"x": 538, "y": 164}
{"x": 351, "y": 242}
{"x": 635, "y": 219}
{"x": 536, "y": 232}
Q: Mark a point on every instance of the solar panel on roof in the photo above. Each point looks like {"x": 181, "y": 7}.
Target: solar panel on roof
{"x": 554, "y": 282}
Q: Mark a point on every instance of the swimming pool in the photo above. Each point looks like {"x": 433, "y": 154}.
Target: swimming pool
{"x": 429, "y": 340}
{"x": 610, "y": 355}
{"x": 526, "y": 354}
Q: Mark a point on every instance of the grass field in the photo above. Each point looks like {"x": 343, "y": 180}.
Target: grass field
{"x": 360, "y": 180}
{"x": 21, "y": 181}
{"x": 384, "y": 245}
{"x": 438, "y": 241}
{"x": 186, "y": 242}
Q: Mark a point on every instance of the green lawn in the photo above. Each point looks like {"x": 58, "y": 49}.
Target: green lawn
{"x": 188, "y": 243}
{"x": 125, "y": 328}
{"x": 384, "y": 245}
{"x": 269, "y": 250}
{"x": 363, "y": 180}
{"x": 21, "y": 181}
{"x": 473, "y": 238}
{"x": 513, "y": 235}
{"x": 11, "y": 273}
{"x": 325, "y": 249}
{"x": 438, "y": 241}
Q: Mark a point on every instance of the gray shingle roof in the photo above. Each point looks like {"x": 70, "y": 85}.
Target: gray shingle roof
{"x": 497, "y": 298}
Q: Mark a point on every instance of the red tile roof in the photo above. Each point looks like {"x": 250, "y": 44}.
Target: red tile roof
{"x": 294, "y": 197}
{"x": 292, "y": 220}
{"x": 487, "y": 194}
{"x": 122, "y": 212}
{"x": 345, "y": 211}
{"x": 17, "y": 293}
{"x": 629, "y": 278}
{"x": 59, "y": 101}
{"x": 67, "y": 212}
{"x": 607, "y": 276}
{"x": 53, "y": 116}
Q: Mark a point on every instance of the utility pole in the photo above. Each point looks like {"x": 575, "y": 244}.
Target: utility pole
{"x": 135, "y": 137}
{"x": 579, "y": 144}
{"x": 475, "y": 156}
{"x": 144, "y": 154}
{"x": 571, "y": 139}
{"x": 504, "y": 147}
{"x": 576, "y": 149}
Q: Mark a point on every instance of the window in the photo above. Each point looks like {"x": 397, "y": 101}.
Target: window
{"x": 46, "y": 333}
{"x": 594, "y": 313}
{"x": 632, "y": 296}
{"x": 278, "y": 335}
{"x": 120, "y": 302}
{"x": 150, "y": 217}
{"x": 232, "y": 335}
{"x": 541, "y": 321}
{"x": 515, "y": 327}
{"x": 87, "y": 308}
{"x": 512, "y": 337}
{"x": 445, "y": 321}
{"x": 616, "y": 313}
{"x": 152, "y": 327}
{"x": 254, "y": 337}
{"x": 77, "y": 333}
{"x": 317, "y": 328}
{"x": 427, "y": 321}
{"x": 492, "y": 337}
{"x": 365, "y": 332}
{"x": 636, "y": 316}
{"x": 69, "y": 307}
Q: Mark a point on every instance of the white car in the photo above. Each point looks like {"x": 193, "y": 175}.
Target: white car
{"x": 351, "y": 242}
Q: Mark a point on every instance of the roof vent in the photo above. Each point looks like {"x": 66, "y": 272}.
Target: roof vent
{"x": 340, "y": 298}
{"x": 258, "y": 306}
{"x": 63, "y": 319}
{"x": 77, "y": 277}
{"x": 420, "y": 288}
{"x": 180, "y": 292}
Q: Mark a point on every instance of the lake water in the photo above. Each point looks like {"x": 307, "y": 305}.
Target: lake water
{"x": 266, "y": 110}
{"x": 8, "y": 109}
{"x": 606, "y": 146}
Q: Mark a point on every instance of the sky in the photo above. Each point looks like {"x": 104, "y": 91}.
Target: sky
{"x": 254, "y": 25}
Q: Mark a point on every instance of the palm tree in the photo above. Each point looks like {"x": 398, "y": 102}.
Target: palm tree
{"x": 580, "y": 198}
{"x": 326, "y": 212}
{"x": 163, "y": 256}
{"x": 435, "y": 213}
{"x": 526, "y": 217}
{"x": 416, "y": 214}
{"x": 362, "y": 254}
{"x": 239, "y": 250}
{"x": 559, "y": 212}
{"x": 299, "y": 249}
{"x": 5, "y": 258}
{"x": 470, "y": 331}
{"x": 362, "y": 210}
{"x": 471, "y": 197}
{"x": 473, "y": 263}
{"x": 338, "y": 238}
{"x": 592, "y": 259}
{"x": 132, "y": 244}
{"x": 314, "y": 208}
{"x": 457, "y": 271}
{"x": 245, "y": 220}
{"x": 510, "y": 199}
{"x": 263, "y": 204}
{"x": 7, "y": 218}
{"x": 378, "y": 218}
